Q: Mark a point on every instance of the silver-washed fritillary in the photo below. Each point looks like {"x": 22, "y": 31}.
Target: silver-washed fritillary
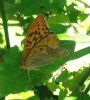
{"x": 41, "y": 46}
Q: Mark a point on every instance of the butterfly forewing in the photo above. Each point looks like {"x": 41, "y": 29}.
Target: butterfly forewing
{"x": 36, "y": 32}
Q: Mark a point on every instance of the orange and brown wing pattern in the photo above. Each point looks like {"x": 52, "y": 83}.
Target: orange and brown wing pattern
{"x": 41, "y": 46}
{"x": 44, "y": 52}
{"x": 36, "y": 32}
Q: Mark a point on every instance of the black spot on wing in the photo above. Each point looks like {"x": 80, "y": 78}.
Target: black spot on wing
{"x": 42, "y": 28}
{"x": 38, "y": 33}
{"x": 46, "y": 28}
{"x": 38, "y": 28}
{"x": 38, "y": 25}
{"x": 40, "y": 36}
{"x": 35, "y": 32}
{"x": 30, "y": 34}
{"x": 28, "y": 41}
{"x": 41, "y": 48}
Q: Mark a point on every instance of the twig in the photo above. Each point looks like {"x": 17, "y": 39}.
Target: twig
{"x": 4, "y": 23}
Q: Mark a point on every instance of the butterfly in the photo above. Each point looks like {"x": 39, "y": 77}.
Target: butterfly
{"x": 41, "y": 45}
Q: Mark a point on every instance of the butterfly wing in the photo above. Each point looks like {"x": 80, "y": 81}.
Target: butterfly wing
{"x": 41, "y": 46}
{"x": 44, "y": 52}
{"x": 36, "y": 32}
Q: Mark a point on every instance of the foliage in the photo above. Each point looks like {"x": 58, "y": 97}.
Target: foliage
{"x": 69, "y": 19}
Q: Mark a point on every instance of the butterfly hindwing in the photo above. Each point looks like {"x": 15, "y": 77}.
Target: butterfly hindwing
{"x": 44, "y": 52}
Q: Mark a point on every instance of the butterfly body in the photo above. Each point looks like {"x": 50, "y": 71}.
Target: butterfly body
{"x": 41, "y": 46}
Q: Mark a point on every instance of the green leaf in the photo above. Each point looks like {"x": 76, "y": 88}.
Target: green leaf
{"x": 57, "y": 19}
{"x": 10, "y": 73}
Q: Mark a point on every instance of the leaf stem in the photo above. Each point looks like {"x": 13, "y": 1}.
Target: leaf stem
{"x": 4, "y": 23}
{"x": 85, "y": 76}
